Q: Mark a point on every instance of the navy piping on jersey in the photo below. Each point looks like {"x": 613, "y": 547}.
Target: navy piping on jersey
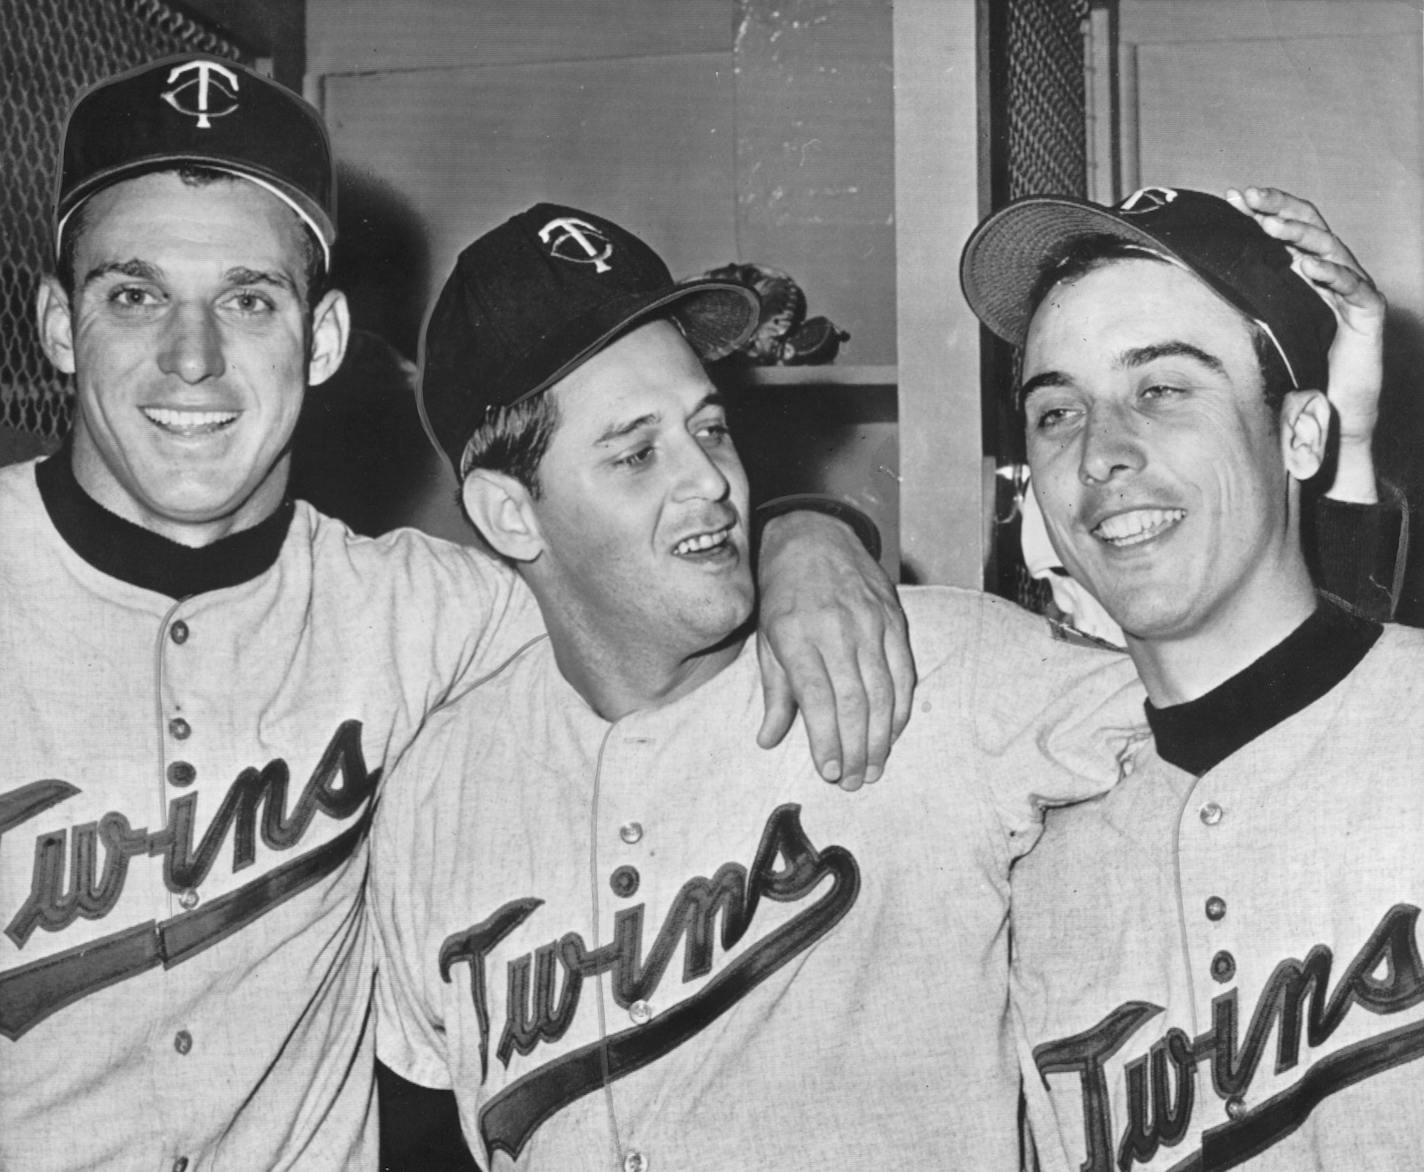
{"x": 144, "y": 559}
{"x": 1292, "y": 675}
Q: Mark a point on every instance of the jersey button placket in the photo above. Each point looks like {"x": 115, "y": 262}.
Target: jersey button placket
{"x": 180, "y": 772}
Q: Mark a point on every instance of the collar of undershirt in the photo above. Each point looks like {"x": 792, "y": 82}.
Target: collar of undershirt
{"x": 1292, "y": 675}
{"x": 144, "y": 559}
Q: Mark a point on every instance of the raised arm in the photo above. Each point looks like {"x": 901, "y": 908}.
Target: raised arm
{"x": 1358, "y": 536}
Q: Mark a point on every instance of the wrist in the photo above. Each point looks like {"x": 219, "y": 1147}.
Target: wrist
{"x": 767, "y": 517}
{"x": 1354, "y": 472}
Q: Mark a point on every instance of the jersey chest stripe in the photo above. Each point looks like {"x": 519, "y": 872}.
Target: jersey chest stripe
{"x": 1235, "y": 1143}
{"x": 33, "y": 992}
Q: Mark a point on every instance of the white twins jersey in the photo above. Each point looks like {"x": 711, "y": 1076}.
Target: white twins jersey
{"x": 185, "y": 794}
{"x": 652, "y": 944}
{"x": 1226, "y": 972}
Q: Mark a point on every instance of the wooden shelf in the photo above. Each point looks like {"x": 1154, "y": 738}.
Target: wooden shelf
{"x": 817, "y": 376}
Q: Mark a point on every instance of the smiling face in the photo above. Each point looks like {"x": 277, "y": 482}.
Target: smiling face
{"x": 642, "y": 513}
{"x": 1160, "y": 469}
{"x": 191, "y": 345}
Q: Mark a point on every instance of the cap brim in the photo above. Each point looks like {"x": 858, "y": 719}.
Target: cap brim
{"x": 309, "y": 212}
{"x": 1004, "y": 258}
{"x": 716, "y": 318}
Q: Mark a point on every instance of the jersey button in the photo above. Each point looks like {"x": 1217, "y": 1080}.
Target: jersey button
{"x": 635, "y": 1161}
{"x": 189, "y": 899}
{"x": 182, "y": 1041}
{"x": 1215, "y": 908}
{"x": 641, "y": 1012}
{"x": 181, "y": 773}
{"x": 178, "y": 632}
{"x": 631, "y": 832}
{"x": 1236, "y": 1107}
{"x": 179, "y": 729}
{"x": 180, "y": 1164}
{"x": 1211, "y": 813}
{"x": 624, "y": 882}
{"x": 1223, "y": 967}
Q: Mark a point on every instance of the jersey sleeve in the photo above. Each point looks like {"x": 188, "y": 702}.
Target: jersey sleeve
{"x": 1052, "y": 718}
{"x": 514, "y": 621}
{"x": 410, "y": 1029}
{"x": 1358, "y": 551}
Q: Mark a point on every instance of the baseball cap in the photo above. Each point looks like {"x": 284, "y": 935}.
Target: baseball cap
{"x": 541, "y": 294}
{"x": 1007, "y": 254}
{"x": 203, "y": 110}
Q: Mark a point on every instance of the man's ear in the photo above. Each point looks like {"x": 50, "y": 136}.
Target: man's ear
{"x": 331, "y": 329}
{"x": 56, "y": 324}
{"x": 1305, "y": 431}
{"x": 503, "y": 511}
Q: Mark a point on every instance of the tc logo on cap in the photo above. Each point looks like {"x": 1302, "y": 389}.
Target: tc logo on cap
{"x": 578, "y": 241}
{"x": 203, "y": 96}
{"x": 1147, "y": 199}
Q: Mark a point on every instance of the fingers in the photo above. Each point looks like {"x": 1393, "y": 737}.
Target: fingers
{"x": 779, "y": 706}
{"x": 900, "y": 662}
{"x": 845, "y": 705}
{"x": 798, "y": 677}
{"x": 1321, "y": 256}
{"x": 1351, "y": 285}
{"x": 832, "y": 620}
{"x": 880, "y": 709}
{"x": 1272, "y": 201}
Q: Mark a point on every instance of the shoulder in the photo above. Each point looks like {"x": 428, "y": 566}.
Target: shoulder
{"x": 26, "y": 535}
{"x": 18, "y": 489}
{"x": 1394, "y": 666}
{"x": 405, "y": 558}
{"x": 993, "y": 637}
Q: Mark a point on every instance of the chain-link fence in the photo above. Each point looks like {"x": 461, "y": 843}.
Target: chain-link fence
{"x": 1038, "y": 115}
{"x": 1046, "y": 144}
{"x": 49, "y": 51}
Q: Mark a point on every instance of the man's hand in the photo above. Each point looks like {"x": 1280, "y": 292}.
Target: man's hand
{"x": 1357, "y": 355}
{"x": 831, "y": 637}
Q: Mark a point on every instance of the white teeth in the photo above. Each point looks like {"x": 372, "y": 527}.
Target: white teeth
{"x": 188, "y": 422}
{"x": 702, "y": 542}
{"x": 1137, "y": 525}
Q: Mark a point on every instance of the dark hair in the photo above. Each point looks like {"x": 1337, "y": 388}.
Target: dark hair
{"x": 513, "y": 440}
{"x": 1085, "y": 253}
{"x": 313, "y": 259}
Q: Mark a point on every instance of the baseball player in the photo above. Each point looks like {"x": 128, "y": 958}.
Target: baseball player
{"x": 636, "y": 942}
{"x": 1216, "y": 963}
{"x": 206, "y": 681}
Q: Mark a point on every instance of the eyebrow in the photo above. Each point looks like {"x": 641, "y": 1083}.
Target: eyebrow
{"x": 620, "y": 430}
{"x": 1128, "y": 360}
{"x": 142, "y": 270}
{"x": 138, "y": 269}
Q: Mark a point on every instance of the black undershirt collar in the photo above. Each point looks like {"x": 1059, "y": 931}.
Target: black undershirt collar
{"x": 1292, "y": 675}
{"x": 141, "y": 558}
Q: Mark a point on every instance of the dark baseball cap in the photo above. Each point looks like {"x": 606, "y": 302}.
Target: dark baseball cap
{"x": 533, "y": 299}
{"x": 203, "y": 110}
{"x": 1008, "y": 253}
